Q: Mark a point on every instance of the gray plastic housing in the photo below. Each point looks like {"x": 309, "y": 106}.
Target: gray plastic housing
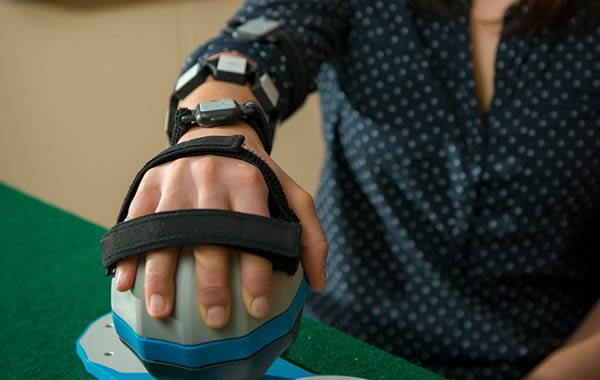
{"x": 185, "y": 326}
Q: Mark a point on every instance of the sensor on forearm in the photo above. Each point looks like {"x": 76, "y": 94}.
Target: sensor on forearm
{"x": 229, "y": 69}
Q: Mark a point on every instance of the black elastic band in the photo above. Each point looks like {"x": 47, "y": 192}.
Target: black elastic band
{"x": 121, "y": 242}
{"x": 276, "y": 240}
{"x": 180, "y": 128}
{"x": 297, "y": 63}
{"x": 258, "y": 121}
{"x": 299, "y": 70}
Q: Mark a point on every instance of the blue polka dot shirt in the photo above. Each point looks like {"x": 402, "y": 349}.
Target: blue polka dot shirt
{"x": 464, "y": 242}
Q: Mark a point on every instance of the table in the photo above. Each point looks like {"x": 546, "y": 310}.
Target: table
{"x": 53, "y": 286}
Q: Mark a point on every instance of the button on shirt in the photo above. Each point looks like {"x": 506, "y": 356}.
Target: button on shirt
{"x": 462, "y": 242}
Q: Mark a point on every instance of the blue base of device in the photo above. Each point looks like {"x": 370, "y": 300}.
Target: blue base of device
{"x": 279, "y": 370}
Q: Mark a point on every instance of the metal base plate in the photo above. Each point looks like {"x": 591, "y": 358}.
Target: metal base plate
{"x": 107, "y": 358}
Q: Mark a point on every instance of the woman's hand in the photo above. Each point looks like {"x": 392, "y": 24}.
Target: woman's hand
{"x": 219, "y": 183}
{"x": 578, "y": 360}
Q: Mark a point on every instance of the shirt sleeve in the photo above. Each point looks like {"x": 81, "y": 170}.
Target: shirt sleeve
{"x": 318, "y": 27}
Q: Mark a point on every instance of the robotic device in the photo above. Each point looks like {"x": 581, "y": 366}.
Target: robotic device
{"x": 129, "y": 344}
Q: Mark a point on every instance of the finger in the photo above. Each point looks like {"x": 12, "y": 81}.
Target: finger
{"x": 212, "y": 274}
{"x": 144, "y": 202}
{"x": 176, "y": 193}
{"x": 212, "y": 262}
{"x": 256, "y": 272}
{"x": 158, "y": 282}
{"x": 147, "y": 196}
{"x": 125, "y": 273}
{"x": 314, "y": 242}
{"x": 257, "y": 284}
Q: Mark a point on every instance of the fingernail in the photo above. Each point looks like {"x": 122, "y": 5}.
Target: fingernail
{"x": 260, "y": 306}
{"x": 216, "y": 314}
{"x": 119, "y": 278}
{"x": 157, "y": 304}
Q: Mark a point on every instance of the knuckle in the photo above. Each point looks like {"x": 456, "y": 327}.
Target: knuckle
{"x": 176, "y": 172}
{"x": 259, "y": 274}
{"x": 212, "y": 290}
{"x": 144, "y": 200}
{"x": 261, "y": 284}
{"x": 155, "y": 276}
{"x": 145, "y": 190}
{"x": 251, "y": 177}
{"x": 306, "y": 199}
{"x": 206, "y": 169}
{"x": 173, "y": 172}
{"x": 179, "y": 165}
{"x": 257, "y": 277}
{"x": 151, "y": 175}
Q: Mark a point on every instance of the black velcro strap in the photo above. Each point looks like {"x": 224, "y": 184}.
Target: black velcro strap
{"x": 299, "y": 70}
{"x": 276, "y": 240}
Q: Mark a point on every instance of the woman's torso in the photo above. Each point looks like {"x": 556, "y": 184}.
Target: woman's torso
{"x": 454, "y": 235}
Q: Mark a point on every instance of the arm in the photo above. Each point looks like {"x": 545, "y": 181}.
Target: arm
{"x": 218, "y": 183}
{"x": 222, "y": 183}
{"x": 578, "y": 358}
{"x": 318, "y": 27}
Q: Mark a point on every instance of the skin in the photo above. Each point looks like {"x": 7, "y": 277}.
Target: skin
{"x": 578, "y": 357}
{"x": 218, "y": 182}
{"x": 485, "y": 24}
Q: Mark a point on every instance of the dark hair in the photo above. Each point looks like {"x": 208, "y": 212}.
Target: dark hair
{"x": 536, "y": 15}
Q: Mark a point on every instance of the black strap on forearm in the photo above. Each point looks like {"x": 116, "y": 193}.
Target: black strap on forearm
{"x": 258, "y": 121}
{"x": 299, "y": 70}
{"x": 277, "y": 238}
{"x": 293, "y": 51}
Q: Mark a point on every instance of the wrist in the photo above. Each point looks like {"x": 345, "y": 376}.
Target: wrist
{"x": 215, "y": 85}
{"x": 213, "y": 89}
{"x": 224, "y": 112}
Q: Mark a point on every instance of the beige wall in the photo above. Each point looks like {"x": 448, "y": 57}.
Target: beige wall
{"x": 83, "y": 90}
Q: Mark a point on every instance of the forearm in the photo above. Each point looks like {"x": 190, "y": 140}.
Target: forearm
{"x": 578, "y": 358}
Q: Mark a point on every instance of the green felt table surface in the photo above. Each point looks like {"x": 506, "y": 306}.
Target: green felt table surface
{"x": 53, "y": 286}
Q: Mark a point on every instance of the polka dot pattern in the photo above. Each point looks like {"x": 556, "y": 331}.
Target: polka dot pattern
{"x": 458, "y": 241}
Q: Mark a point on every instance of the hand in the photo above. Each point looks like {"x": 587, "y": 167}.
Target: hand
{"x": 578, "y": 360}
{"x": 219, "y": 183}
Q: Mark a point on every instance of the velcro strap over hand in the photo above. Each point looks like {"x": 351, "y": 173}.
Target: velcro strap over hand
{"x": 277, "y": 238}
